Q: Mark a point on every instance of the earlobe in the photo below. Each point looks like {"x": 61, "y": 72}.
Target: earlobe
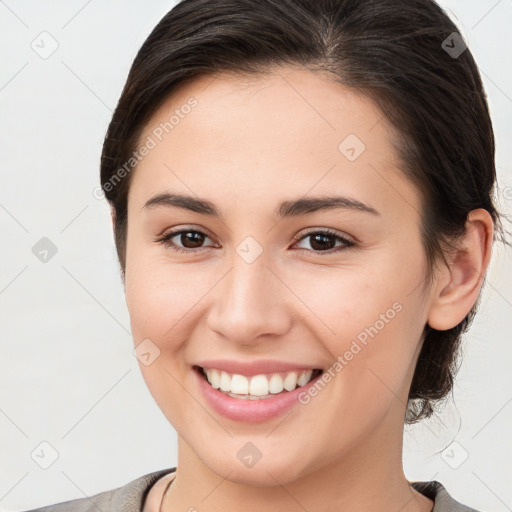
{"x": 460, "y": 284}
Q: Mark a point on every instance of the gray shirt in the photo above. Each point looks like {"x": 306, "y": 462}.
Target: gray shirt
{"x": 130, "y": 497}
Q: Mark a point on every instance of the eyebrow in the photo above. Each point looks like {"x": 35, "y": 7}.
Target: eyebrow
{"x": 285, "y": 209}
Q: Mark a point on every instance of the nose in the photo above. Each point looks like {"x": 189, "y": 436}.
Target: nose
{"x": 251, "y": 303}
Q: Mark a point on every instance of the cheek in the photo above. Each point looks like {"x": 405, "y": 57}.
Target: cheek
{"x": 161, "y": 301}
{"x": 371, "y": 322}
{"x": 347, "y": 302}
{"x": 168, "y": 304}
{"x": 160, "y": 296}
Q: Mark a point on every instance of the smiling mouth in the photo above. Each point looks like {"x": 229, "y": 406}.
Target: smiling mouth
{"x": 256, "y": 387}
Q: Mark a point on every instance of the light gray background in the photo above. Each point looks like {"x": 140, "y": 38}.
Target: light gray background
{"x": 67, "y": 367}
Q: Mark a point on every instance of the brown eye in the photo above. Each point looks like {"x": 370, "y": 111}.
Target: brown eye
{"x": 184, "y": 240}
{"x": 191, "y": 239}
{"x": 325, "y": 240}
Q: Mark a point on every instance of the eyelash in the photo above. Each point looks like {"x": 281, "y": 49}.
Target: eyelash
{"x": 166, "y": 240}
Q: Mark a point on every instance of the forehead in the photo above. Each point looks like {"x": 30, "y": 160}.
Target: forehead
{"x": 287, "y": 132}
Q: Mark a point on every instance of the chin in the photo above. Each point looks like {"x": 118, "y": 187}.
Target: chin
{"x": 270, "y": 473}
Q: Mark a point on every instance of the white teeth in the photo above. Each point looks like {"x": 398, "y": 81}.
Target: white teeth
{"x": 275, "y": 384}
{"x": 257, "y": 385}
{"x": 224, "y": 381}
{"x": 303, "y": 379}
{"x": 239, "y": 385}
{"x": 213, "y": 377}
{"x": 290, "y": 382}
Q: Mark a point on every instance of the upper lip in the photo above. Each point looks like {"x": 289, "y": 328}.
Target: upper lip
{"x": 254, "y": 367}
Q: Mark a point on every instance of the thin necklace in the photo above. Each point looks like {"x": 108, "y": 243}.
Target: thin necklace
{"x": 165, "y": 494}
{"x": 169, "y": 486}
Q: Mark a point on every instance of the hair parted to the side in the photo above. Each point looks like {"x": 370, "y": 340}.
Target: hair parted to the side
{"x": 389, "y": 50}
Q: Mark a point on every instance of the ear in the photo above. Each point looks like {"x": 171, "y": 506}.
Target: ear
{"x": 460, "y": 283}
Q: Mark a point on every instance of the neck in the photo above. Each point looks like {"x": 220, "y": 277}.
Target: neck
{"x": 369, "y": 477}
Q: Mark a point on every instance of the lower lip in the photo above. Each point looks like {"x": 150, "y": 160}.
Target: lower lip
{"x": 250, "y": 411}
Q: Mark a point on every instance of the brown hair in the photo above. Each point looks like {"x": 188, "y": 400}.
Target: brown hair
{"x": 406, "y": 56}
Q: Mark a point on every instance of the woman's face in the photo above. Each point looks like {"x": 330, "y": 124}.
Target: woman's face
{"x": 261, "y": 280}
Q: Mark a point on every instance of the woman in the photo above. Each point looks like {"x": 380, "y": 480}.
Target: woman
{"x": 301, "y": 197}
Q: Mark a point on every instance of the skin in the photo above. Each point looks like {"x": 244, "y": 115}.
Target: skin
{"x": 248, "y": 145}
